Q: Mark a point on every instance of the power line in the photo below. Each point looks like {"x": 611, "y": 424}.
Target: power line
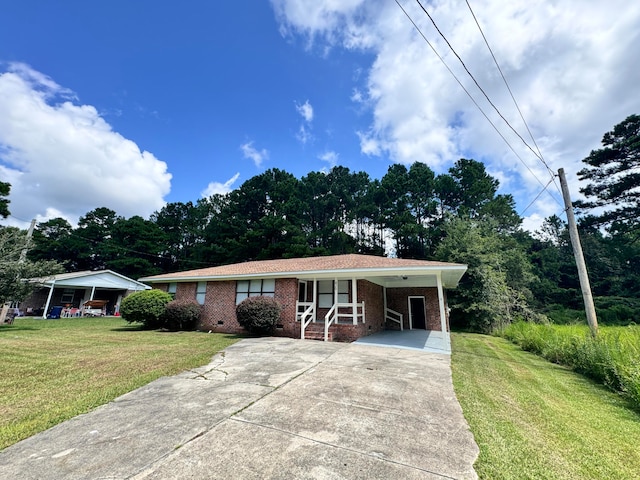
{"x": 537, "y": 196}
{"x": 504, "y": 79}
{"x": 471, "y": 97}
{"x": 475, "y": 81}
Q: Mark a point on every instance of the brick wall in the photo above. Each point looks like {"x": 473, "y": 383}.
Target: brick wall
{"x": 397, "y": 299}
{"x": 286, "y": 295}
{"x": 220, "y": 307}
{"x": 219, "y": 311}
{"x": 186, "y": 291}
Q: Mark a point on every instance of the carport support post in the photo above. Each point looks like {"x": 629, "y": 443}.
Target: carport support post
{"x": 354, "y": 300}
{"x": 46, "y": 306}
{"x": 93, "y": 291}
{"x": 443, "y": 313}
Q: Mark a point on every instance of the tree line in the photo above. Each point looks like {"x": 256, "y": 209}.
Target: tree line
{"x": 410, "y": 212}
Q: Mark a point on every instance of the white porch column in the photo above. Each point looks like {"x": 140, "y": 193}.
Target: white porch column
{"x": 443, "y": 313}
{"x": 354, "y": 300}
{"x": 384, "y": 299}
{"x": 46, "y": 306}
{"x": 315, "y": 299}
{"x": 93, "y": 291}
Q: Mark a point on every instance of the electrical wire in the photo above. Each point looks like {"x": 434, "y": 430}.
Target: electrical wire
{"x": 504, "y": 79}
{"x": 126, "y": 249}
{"x": 470, "y": 96}
{"x": 476, "y": 82}
{"x": 537, "y": 196}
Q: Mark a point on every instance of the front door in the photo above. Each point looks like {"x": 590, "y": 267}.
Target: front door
{"x": 417, "y": 313}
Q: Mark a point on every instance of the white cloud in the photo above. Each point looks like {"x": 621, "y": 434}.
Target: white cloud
{"x": 258, "y": 156}
{"x": 217, "y": 187}
{"x": 330, "y": 157}
{"x": 306, "y": 111}
{"x": 304, "y": 134}
{"x": 64, "y": 159}
{"x": 569, "y": 65}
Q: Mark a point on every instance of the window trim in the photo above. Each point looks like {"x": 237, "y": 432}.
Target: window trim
{"x": 326, "y": 298}
{"x": 252, "y": 289}
{"x": 201, "y": 293}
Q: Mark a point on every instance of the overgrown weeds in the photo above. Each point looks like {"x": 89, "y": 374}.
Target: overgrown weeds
{"x": 612, "y": 358}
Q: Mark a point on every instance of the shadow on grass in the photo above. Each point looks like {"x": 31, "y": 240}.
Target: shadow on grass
{"x": 141, "y": 328}
{"x": 15, "y": 328}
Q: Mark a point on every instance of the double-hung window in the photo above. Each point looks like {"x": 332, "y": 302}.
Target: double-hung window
{"x": 254, "y": 288}
{"x": 326, "y": 293}
{"x": 171, "y": 289}
{"x": 201, "y": 291}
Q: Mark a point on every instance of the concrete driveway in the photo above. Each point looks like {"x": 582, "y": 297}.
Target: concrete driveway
{"x": 271, "y": 408}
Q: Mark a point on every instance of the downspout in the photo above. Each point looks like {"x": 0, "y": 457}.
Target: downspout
{"x": 46, "y": 306}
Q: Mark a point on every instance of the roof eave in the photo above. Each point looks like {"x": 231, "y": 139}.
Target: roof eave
{"x": 311, "y": 274}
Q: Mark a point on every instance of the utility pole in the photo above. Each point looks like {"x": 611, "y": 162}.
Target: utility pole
{"x": 585, "y": 286}
{"x": 23, "y": 253}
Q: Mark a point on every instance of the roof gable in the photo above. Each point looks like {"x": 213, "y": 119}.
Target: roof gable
{"x": 98, "y": 279}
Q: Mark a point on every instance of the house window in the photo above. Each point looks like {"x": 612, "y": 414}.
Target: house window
{"x": 302, "y": 291}
{"x": 171, "y": 289}
{"x": 201, "y": 291}
{"x": 326, "y": 293}
{"x": 67, "y": 295}
{"x": 255, "y": 288}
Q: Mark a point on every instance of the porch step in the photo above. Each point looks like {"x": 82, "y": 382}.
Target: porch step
{"x": 316, "y": 332}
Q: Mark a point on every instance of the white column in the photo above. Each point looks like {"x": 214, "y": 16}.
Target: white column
{"x": 93, "y": 291}
{"x": 384, "y": 299}
{"x": 443, "y": 313}
{"x": 46, "y": 306}
{"x": 354, "y": 299}
{"x": 315, "y": 299}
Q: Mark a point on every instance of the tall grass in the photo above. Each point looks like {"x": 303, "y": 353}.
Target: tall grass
{"x": 612, "y": 358}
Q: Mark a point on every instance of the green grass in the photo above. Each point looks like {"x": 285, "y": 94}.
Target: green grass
{"x": 53, "y": 370}
{"x": 612, "y": 358}
{"x": 533, "y": 419}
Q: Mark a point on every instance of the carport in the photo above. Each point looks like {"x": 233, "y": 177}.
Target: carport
{"x": 74, "y": 289}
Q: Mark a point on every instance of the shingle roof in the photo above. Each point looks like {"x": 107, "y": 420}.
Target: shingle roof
{"x": 331, "y": 263}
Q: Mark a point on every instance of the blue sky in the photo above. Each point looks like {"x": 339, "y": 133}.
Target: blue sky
{"x": 133, "y": 104}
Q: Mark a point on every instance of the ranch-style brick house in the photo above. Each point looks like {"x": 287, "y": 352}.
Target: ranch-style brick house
{"x": 339, "y": 297}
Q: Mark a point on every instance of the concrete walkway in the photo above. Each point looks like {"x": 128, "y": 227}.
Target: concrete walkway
{"x": 270, "y": 408}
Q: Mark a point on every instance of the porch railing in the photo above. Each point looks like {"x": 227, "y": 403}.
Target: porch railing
{"x": 394, "y": 316}
{"x": 306, "y": 317}
{"x": 334, "y": 314}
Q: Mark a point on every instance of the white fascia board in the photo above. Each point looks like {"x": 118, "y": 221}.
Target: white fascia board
{"x": 453, "y": 271}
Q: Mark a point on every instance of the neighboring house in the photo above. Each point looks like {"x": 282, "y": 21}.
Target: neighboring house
{"x": 77, "y": 293}
{"x": 340, "y": 297}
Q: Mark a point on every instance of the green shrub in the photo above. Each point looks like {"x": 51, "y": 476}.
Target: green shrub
{"x": 258, "y": 315}
{"x": 181, "y": 315}
{"x": 145, "y": 307}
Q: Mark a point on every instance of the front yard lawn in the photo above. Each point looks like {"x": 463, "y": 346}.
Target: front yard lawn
{"x": 533, "y": 419}
{"x": 53, "y": 370}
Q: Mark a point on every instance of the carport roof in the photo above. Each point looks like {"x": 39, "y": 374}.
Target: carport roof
{"x": 383, "y": 270}
{"x": 100, "y": 279}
